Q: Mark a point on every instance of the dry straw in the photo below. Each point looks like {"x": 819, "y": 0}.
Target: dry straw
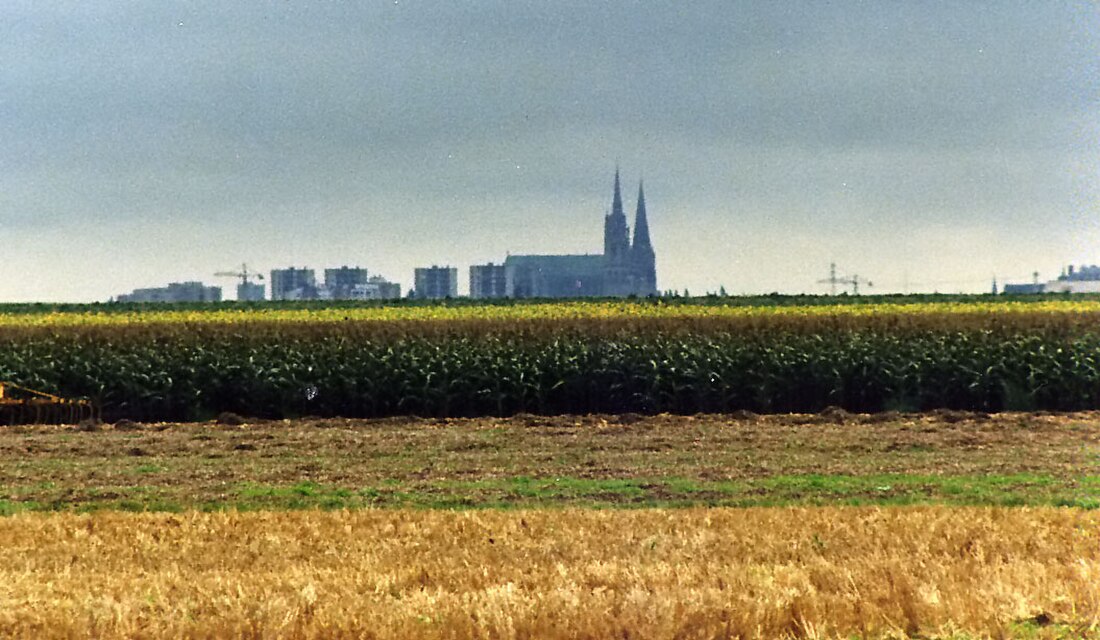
{"x": 723, "y": 573}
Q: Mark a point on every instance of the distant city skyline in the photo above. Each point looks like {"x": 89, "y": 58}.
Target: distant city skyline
{"x": 928, "y": 146}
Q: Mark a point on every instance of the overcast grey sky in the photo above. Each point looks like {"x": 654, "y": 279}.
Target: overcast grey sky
{"x": 934, "y": 143}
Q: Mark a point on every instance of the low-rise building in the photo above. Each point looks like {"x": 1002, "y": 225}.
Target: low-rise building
{"x": 1028, "y": 288}
{"x": 175, "y": 292}
{"x": 1083, "y": 279}
{"x": 293, "y": 284}
{"x": 435, "y": 283}
{"x": 1084, "y": 273}
{"x": 376, "y": 288}
{"x": 342, "y": 280}
{"x": 560, "y": 276}
{"x": 250, "y": 292}
{"x": 1072, "y": 286}
{"x": 488, "y": 281}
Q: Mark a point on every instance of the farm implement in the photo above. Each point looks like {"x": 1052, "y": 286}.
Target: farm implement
{"x": 20, "y": 405}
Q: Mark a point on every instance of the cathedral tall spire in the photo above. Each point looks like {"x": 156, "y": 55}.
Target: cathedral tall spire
{"x": 641, "y": 224}
{"x": 642, "y": 258}
{"x": 617, "y": 199}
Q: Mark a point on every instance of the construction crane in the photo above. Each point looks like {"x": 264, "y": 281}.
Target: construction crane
{"x": 244, "y": 274}
{"x": 854, "y": 281}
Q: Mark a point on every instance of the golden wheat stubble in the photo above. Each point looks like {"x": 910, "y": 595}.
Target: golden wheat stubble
{"x": 576, "y": 573}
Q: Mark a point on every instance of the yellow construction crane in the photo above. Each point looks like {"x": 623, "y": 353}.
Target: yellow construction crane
{"x": 20, "y": 405}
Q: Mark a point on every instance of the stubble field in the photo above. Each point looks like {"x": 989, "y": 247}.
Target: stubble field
{"x": 831, "y": 525}
{"x": 685, "y": 573}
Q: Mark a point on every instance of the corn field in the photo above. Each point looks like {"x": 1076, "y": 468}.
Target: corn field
{"x": 555, "y": 358}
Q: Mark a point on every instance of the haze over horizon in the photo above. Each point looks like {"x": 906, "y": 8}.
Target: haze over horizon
{"x": 931, "y": 145}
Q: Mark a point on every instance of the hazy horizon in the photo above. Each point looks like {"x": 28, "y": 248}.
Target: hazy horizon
{"x": 925, "y": 145}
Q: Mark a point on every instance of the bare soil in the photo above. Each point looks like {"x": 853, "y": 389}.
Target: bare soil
{"x": 481, "y": 460}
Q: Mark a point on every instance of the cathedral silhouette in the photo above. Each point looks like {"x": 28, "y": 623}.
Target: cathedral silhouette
{"x": 626, "y": 268}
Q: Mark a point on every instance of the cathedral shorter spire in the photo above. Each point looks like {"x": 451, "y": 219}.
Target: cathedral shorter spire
{"x": 616, "y": 234}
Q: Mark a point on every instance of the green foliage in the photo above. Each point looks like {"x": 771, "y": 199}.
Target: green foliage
{"x": 865, "y": 363}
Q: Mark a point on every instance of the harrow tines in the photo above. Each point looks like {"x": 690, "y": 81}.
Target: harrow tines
{"x": 40, "y": 408}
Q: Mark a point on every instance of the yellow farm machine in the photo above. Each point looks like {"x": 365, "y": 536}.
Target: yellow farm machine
{"x": 20, "y": 405}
